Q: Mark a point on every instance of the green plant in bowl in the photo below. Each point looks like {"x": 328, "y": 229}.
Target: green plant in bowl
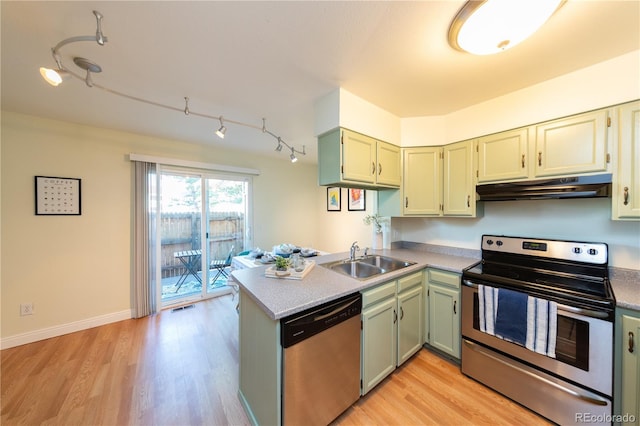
{"x": 282, "y": 263}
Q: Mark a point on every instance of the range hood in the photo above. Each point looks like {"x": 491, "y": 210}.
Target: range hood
{"x": 567, "y": 187}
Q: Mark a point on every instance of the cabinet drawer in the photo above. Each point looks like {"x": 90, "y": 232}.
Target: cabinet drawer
{"x": 376, "y": 294}
{"x": 450, "y": 279}
{"x": 409, "y": 281}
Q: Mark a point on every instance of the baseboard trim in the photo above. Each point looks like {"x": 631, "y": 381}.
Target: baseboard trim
{"x": 59, "y": 330}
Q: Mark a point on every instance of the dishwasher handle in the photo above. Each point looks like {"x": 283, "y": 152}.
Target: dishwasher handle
{"x": 298, "y": 327}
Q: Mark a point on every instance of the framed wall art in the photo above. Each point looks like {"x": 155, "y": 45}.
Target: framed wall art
{"x": 357, "y": 199}
{"x": 334, "y": 203}
{"x": 57, "y": 196}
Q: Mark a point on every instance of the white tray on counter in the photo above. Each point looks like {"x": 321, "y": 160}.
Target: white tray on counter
{"x": 290, "y": 274}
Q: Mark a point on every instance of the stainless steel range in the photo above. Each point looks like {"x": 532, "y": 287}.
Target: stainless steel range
{"x": 537, "y": 326}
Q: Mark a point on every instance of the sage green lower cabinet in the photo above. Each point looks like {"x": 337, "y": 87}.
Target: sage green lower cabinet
{"x": 392, "y": 321}
{"x": 443, "y": 296}
{"x": 627, "y": 374}
{"x": 260, "y": 362}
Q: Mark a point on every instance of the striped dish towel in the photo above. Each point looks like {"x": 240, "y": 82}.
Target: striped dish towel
{"x": 541, "y": 324}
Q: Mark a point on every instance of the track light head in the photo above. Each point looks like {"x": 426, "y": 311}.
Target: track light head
{"x": 54, "y": 77}
{"x": 293, "y": 156}
{"x": 221, "y": 130}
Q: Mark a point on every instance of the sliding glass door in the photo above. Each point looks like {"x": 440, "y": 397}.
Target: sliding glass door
{"x": 193, "y": 253}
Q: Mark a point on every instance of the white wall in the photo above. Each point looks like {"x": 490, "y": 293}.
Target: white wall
{"x": 76, "y": 269}
{"x": 573, "y": 220}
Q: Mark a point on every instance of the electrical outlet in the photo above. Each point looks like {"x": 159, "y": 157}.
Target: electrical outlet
{"x": 26, "y": 309}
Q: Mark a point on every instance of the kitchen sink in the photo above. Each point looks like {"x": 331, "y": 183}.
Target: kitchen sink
{"x": 387, "y": 263}
{"x": 367, "y": 267}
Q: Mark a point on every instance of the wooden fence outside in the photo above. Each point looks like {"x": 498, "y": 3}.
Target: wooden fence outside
{"x": 181, "y": 231}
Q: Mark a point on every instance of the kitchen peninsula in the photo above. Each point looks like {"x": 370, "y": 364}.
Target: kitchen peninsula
{"x": 264, "y": 301}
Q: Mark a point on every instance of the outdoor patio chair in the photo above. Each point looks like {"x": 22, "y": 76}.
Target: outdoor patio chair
{"x": 220, "y": 265}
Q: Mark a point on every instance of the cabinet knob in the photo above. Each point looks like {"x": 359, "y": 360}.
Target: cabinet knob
{"x": 468, "y": 200}
{"x": 379, "y": 168}
{"x": 373, "y": 168}
{"x": 626, "y": 195}
{"x": 395, "y": 316}
{"x": 523, "y": 161}
{"x": 406, "y": 202}
{"x": 631, "y": 343}
{"x": 455, "y": 302}
{"x": 540, "y": 158}
{"x": 401, "y": 313}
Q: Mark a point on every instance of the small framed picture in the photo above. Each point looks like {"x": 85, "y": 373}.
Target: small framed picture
{"x": 334, "y": 203}
{"x": 57, "y": 196}
{"x": 357, "y": 199}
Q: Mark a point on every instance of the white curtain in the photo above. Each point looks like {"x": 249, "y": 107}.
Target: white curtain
{"x": 144, "y": 270}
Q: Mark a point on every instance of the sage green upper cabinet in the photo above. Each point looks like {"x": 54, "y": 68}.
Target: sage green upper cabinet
{"x": 503, "y": 156}
{"x": 422, "y": 181}
{"x": 572, "y": 145}
{"x": 359, "y": 157}
{"x": 389, "y": 169}
{"x": 626, "y": 181}
{"x": 459, "y": 192}
{"x": 351, "y": 159}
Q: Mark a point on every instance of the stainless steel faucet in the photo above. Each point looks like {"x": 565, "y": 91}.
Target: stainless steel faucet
{"x": 353, "y": 250}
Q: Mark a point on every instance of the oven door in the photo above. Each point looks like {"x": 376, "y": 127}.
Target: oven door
{"x": 584, "y": 343}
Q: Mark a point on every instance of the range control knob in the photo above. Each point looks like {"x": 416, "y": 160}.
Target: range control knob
{"x": 577, "y": 250}
{"x": 593, "y": 251}
{"x": 490, "y": 242}
{"x": 498, "y": 243}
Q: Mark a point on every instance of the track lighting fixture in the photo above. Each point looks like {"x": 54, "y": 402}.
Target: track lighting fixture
{"x": 61, "y": 73}
{"x": 221, "y": 130}
{"x": 54, "y": 77}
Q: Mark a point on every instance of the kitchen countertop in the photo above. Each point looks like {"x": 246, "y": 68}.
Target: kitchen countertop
{"x": 281, "y": 297}
{"x": 626, "y": 287}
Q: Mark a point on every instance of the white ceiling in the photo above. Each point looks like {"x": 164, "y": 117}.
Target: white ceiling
{"x": 248, "y": 60}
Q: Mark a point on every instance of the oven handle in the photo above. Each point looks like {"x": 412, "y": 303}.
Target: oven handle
{"x": 561, "y": 307}
{"x": 592, "y": 399}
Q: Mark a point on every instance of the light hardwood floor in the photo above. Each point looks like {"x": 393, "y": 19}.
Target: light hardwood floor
{"x": 181, "y": 368}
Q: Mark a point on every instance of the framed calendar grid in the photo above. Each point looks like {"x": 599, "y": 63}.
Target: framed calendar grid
{"x": 57, "y": 196}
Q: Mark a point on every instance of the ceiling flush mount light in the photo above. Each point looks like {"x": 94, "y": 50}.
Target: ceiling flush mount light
{"x": 61, "y": 73}
{"x": 491, "y": 26}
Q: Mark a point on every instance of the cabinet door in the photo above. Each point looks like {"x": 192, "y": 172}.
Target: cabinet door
{"x": 378, "y": 343}
{"x": 444, "y": 311}
{"x": 626, "y": 188}
{"x": 422, "y": 184}
{"x": 358, "y": 157}
{"x": 410, "y": 322}
{"x": 389, "y": 170}
{"x": 631, "y": 367}
{"x": 572, "y": 145}
{"x": 459, "y": 186}
{"x": 503, "y": 156}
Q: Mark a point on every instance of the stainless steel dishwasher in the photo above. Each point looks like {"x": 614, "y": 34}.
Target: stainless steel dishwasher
{"x": 321, "y": 362}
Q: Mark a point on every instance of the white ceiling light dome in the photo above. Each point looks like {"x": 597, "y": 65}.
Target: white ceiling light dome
{"x": 492, "y": 26}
